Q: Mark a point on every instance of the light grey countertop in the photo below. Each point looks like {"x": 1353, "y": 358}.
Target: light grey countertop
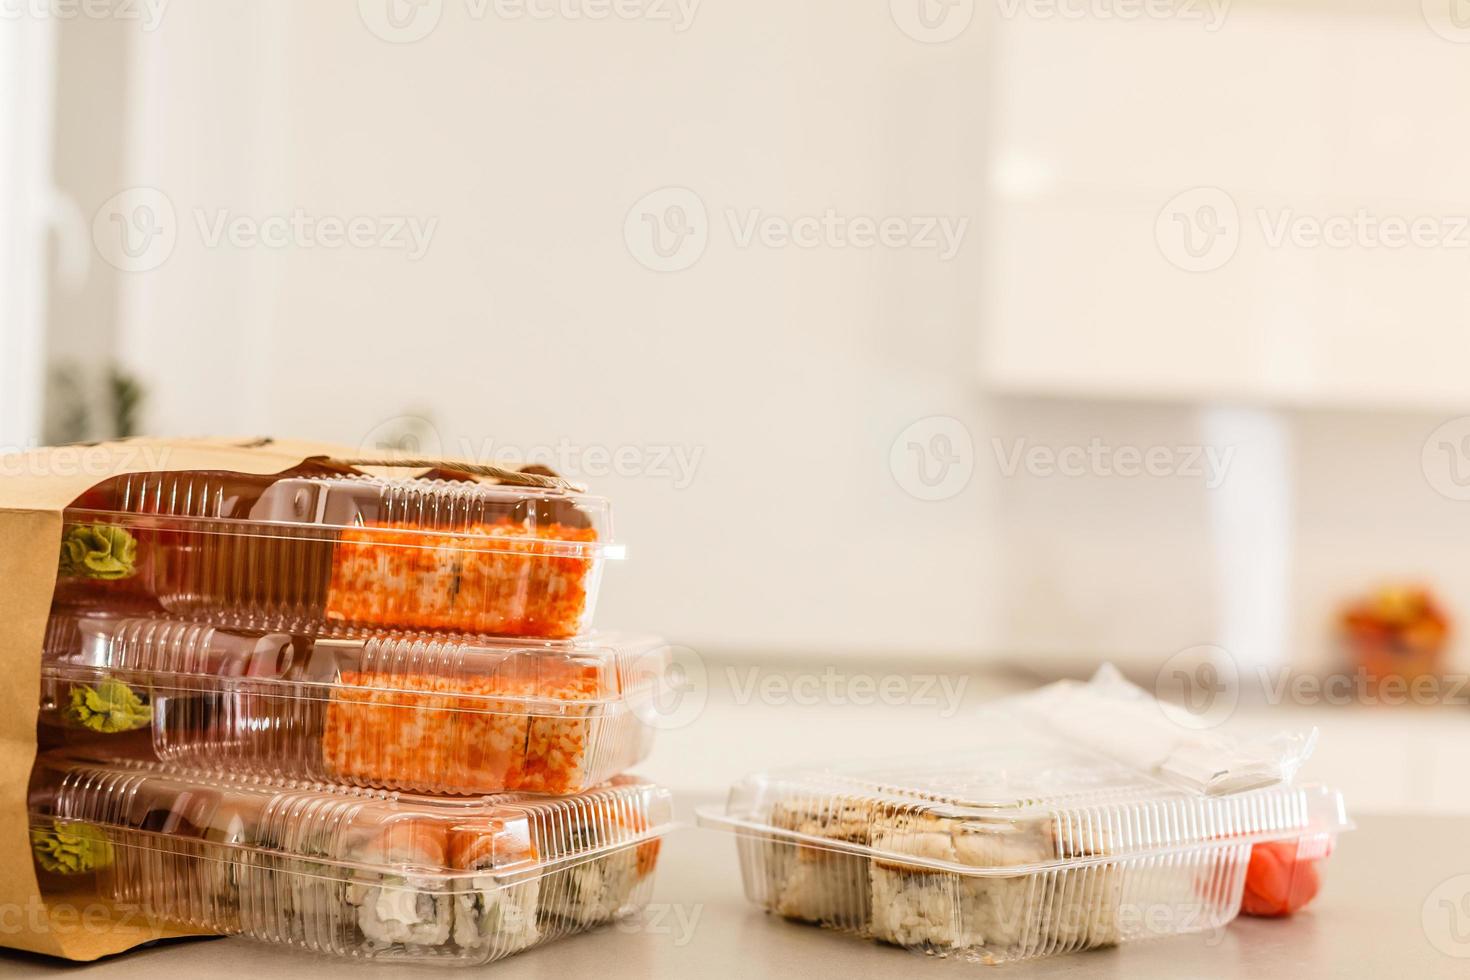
{"x": 1395, "y": 903}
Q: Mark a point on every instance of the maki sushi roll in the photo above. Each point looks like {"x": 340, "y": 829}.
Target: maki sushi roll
{"x": 936, "y": 909}
{"x": 994, "y": 915}
{"x": 462, "y": 733}
{"x": 813, "y": 884}
{"x": 403, "y": 910}
{"x": 598, "y": 890}
{"x": 508, "y": 577}
{"x": 493, "y": 913}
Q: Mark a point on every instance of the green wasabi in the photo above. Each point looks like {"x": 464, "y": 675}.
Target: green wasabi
{"x": 98, "y": 551}
{"x": 69, "y": 847}
{"x": 109, "y": 707}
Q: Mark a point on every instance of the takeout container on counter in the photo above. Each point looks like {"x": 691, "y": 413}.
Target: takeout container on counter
{"x": 1026, "y": 848}
{"x": 290, "y": 551}
{"x": 355, "y": 873}
{"x": 424, "y": 712}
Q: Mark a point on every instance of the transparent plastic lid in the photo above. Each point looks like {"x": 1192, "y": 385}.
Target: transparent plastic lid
{"x": 491, "y": 515}
{"x": 1024, "y": 801}
{"x": 538, "y": 677}
{"x": 428, "y": 712}
{"x": 353, "y": 873}
{"x": 307, "y": 547}
{"x": 341, "y": 832}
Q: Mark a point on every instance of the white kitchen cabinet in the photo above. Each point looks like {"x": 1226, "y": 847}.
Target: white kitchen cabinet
{"x": 1293, "y": 122}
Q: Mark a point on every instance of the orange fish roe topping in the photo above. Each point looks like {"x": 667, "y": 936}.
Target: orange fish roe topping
{"x": 460, "y": 734}
{"x": 506, "y": 578}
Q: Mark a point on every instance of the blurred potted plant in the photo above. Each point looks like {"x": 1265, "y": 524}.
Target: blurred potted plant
{"x": 1396, "y": 632}
{"x": 86, "y": 405}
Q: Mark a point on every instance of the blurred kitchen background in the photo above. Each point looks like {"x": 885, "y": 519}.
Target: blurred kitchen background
{"x": 994, "y": 338}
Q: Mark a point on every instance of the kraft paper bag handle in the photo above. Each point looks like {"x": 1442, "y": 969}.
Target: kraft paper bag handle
{"x": 35, "y": 487}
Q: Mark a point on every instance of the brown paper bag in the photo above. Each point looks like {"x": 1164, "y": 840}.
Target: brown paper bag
{"x": 35, "y": 487}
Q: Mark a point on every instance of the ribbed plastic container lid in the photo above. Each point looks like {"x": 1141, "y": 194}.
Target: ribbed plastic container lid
{"x": 475, "y": 510}
{"x": 305, "y": 549}
{"x": 1026, "y": 803}
{"x": 433, "y": 713}
{"x": 342, "y": 831}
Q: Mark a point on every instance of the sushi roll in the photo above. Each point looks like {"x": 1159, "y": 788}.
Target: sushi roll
{"x": 991, "y": 915}
{"x": 394, "y": 910}
{"x": 493, "y": 915}
{"x": 506, "y": 577}
{"x": 460, "y": 734}
{"x": 596, "y": 891}
{"x": 599, "y": 890}
{"x": 811, "y": 884}
{"x": 423, "y": 731}
{"x": 228, "y": 828}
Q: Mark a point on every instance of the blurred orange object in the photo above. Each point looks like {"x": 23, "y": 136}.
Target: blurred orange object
{"x": 1282, "y": 878}
{"x": 1398, "y": 632}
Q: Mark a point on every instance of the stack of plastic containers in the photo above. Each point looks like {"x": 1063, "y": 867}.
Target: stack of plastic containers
{"x": 360, "y": 716}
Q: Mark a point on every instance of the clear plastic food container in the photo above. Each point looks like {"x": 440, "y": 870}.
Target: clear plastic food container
{"x": 355, "y": 873}
{"x": 294, "y": 550}
{"x": 1026, "y": 848}
{"x": 424, "y": 712}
